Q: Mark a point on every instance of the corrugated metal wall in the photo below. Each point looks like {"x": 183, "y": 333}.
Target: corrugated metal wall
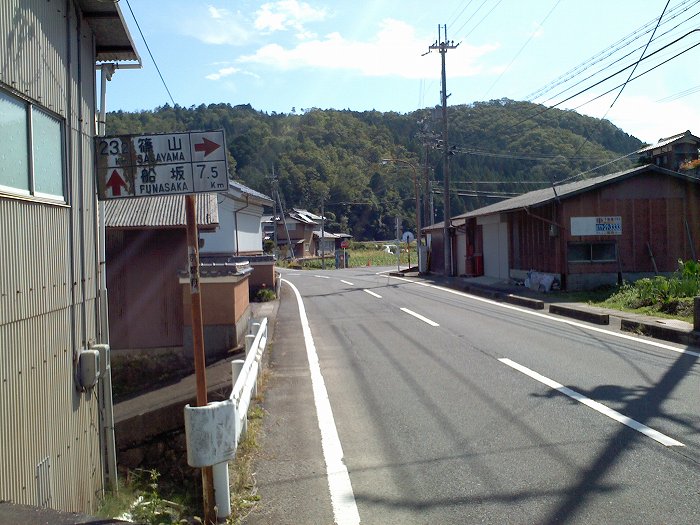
{"x": 50, "y": 451}
{"x": 659, "y": 212}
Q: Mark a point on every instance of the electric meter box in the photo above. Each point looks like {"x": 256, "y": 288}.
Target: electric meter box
{"x": 89, "y": 368}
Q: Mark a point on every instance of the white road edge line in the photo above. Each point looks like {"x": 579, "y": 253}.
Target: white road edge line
{"x": 347, "y": 282}
{"x": 598, "y": 407}
{"x": 419, "y": 316}
{"x": 322, "y": 276}
{"x": 372, "y": 293}
{"x": 559, "y": 319}
{"x": 342, "y": 496}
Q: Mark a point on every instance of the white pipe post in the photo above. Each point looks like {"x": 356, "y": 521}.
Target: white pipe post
{"x": 249, "y": 343}
{"x": 222, "y": 490}
{"x": 236, "y": 367}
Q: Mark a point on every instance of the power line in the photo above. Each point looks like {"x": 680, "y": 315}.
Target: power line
{"x": 587, "y": 138}
{"x": 520, "y": 50}
{"x": 640, "y": 58}
{"x": 681, "y": 94}
{"x": 530, "y": 117}
{"x": 579, "y": 175}
{"x": 514, "y": 156}
{"x": 614, "y": 48}
{"x": 473, "y": 15}
{"x": 453, "y": 18}
{"x": 481, "y": 21}
{"x": 641, "y": 74}
{"x": 620, "y": 59}
{"x": 149, "y": 52}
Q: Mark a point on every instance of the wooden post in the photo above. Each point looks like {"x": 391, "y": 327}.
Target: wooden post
{"x": 198, "y": 343}
{"x": 696, "y": 313}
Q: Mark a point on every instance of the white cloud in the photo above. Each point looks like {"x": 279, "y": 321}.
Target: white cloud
{"x": 217, "y": 27}
{"x": 224, "y": 72}
{"x": 229, "y": 71}
{"x": 394, "y": 51}
{"x": 287, "y": 15}
{"x": 217, "y": 13}
{"x": 644, "y": 117}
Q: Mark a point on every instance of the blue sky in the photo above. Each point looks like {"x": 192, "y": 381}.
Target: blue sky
{"x": 367, "y": 54}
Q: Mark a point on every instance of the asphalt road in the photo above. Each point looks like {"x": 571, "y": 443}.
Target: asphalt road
{"x": 451, "y": 408}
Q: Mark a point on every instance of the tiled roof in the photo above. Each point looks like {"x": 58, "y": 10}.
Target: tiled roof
{"x": 165, "y": 211}
{"x": 305, "y": 215}
{"x": 668, "y": 140}
{"x": 329, "y": 235}
{"x": 249, "y": 191}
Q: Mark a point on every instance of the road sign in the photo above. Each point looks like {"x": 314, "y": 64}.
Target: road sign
{"x": 161, "y": 164}
{"x": 344, "y": 244}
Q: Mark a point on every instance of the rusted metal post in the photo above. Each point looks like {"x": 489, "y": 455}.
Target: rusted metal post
{"x": 198, "y": 343}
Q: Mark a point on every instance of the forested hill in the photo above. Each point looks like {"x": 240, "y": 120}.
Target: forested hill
{"x": 499, "y": 148}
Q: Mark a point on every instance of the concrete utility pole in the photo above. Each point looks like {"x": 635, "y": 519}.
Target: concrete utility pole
{"x": 323, "y": 236}
{"x": 443, "y": 47}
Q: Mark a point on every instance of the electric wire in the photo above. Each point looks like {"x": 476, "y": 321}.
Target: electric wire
{"x": 532, "y": 35}
{"x": 640, "y": 58}
{"x": 472, "y": 16}
{"x": 681, "y": 94}
{"x": 512, "y": 156}
{"x": 454, "y": 18}
{"x": 611, "y": 64}
{"x": 606, "y": 53}
{"x": 480, "y": 21}
{"x": 540, "y": 112}
{"x": 596, "y": 168}
{"x": 614, "y": 48}
{"x": 149, "y": 52}
{"x": 587, "y": 137}
{"x": 638, "y": 76}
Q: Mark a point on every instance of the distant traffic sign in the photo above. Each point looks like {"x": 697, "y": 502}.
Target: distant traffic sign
{"x": 344, "y": 244}
{"x": 161, "y": 164}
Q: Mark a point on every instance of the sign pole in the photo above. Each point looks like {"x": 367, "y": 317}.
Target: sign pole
{"x": 198, "y": 343}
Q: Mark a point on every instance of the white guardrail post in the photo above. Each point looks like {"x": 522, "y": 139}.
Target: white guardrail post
{"x": 213, "y": 432}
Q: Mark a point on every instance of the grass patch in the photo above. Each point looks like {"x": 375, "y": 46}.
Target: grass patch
{"x": 244, "y": 493}
{"x": 671, "y": 297}
{"x": 139, "y": 500}
{"x": 147, "y": 496}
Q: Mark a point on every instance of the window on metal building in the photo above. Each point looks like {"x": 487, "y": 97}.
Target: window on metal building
{"x": 590, "y": 252}
{"x": 31, "y": 151}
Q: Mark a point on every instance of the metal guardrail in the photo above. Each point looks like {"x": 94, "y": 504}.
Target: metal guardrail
{"x": 246, "y": 374}
{"x": 213, "y": 432}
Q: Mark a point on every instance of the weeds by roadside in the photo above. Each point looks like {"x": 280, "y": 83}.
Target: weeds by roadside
{"x": 662, "y": 296}
{"x": 142, "y": 497}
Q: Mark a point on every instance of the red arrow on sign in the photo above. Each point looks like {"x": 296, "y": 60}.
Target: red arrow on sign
{"x": 207, "y": 146}
{"x": 115, "y": 183}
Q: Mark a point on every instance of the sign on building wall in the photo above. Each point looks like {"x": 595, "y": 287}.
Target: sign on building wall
{"x": 163, "y": 164}
{"x": 596, "y": 225}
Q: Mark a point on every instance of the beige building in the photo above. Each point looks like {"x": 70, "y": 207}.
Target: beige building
{"x": 55, "y": 449}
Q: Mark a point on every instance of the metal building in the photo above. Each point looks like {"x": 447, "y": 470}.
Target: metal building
{"x": 53, "y": 444}
{"x": 599, "y": 231}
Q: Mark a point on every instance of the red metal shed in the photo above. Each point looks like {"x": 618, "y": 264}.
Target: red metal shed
{"x": 625, "y": 225}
